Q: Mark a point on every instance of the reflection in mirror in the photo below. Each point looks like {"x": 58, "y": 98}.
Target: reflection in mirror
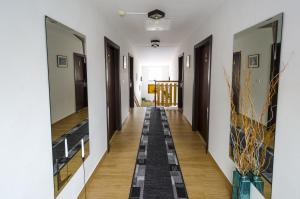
{"x": 67, "y": 72}
{"x": 256, "y": 61}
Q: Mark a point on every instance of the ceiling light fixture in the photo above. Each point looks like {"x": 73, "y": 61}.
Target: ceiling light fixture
{"x": 156, "y": 14}
{"x": 155, "y": 43}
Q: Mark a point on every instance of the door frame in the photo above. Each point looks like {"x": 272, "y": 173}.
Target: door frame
{"x": 179, "y": 57}
{"x": 84, "y": 57}
{"x": 129, "y": 71}
{"x": 195, "y": 119}
{"x": 274, "y": 70}
{"x": 107, "y": 43}
{"x": 236, "y": 72}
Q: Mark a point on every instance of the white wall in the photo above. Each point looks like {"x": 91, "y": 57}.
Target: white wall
{"x": 26, "y": 171}
{"x": 62, "y": 84}
{"x": 137, "y": 73}
{"x": 151, "y": 73}
{"x": 229, "y": 19}
{"x": 254, "y": 193}
{"x": 173, "y": 68}
{"x": 154, "y": 57}
{"x": 255, "y": 41}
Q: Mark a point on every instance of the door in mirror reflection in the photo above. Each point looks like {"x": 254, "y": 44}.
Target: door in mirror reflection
{"x": 68, "y": 91}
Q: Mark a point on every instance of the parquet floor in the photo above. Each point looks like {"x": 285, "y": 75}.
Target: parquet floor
{"x": 63, "y": 126}
{"x": 112, "y": 178}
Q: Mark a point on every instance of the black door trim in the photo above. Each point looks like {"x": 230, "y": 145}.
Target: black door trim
{"x": 108, "y": 42}
{"x": 131, "y": 103}
{"x": 204, "y": 42}
{"x": 181, "y": 56}
{"x": 84, "y": 57}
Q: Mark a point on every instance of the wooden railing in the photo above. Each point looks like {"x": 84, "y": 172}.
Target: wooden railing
{"x": 136, "y": 101}
{"x": 166, "y": 93}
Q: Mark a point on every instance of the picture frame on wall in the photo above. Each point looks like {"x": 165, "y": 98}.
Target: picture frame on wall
{"x": 62, "y": 61}
{"x": 253, "y": 61}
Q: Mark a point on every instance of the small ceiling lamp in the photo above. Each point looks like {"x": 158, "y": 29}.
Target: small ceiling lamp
{"x": 156, "y": 14}
{"x": 155, "y": 43}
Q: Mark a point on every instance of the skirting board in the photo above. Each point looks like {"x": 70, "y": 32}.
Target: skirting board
{"x": 228, "y": 183}
{"x": 89, "y": 180}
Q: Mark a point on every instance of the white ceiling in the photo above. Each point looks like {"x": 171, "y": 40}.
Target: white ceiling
{"x": 155, "y": 56}
{"x": 184, "y": 14}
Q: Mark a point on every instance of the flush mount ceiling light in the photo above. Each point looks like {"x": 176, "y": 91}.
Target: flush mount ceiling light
{"x": 155, "y": 43}
{"x": 156, "y": 14}
{"x": 154, "y": 20}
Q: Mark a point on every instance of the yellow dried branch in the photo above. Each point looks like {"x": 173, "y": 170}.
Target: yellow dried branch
{"x": 249, "y": 151}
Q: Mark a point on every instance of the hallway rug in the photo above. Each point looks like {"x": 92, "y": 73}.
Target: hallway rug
{"x": 157, "y": 172}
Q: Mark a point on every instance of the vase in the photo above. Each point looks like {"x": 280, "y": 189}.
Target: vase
{"x": 258, "y": 183}
{"x": 235, "y": 184}
{"x": 240, "y": 186}
{"x": 244, "y": 188}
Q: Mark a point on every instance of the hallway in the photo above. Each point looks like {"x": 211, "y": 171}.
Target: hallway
{"x": 112, "y": 178}
{"x": 76, "y": 73}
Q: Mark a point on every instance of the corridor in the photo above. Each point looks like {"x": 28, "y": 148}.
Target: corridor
{"x": 78, "y": 79}
{"x": 113, "y": 176}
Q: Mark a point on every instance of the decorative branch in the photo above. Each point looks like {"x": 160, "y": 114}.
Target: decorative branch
{"x": 247, "y": 136}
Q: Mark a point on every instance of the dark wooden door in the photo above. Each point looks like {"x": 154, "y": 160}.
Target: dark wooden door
{"x": 274, "y": 75}
{"x": 110, "y": 92}
{"x": 113, "y": 88}
{"x": 180, "y": 82}
{"x": 131, "y": 82}
{"x": 236, "y": 80}
{"x": 80, "y": 77}
{"x": 202, "y": 88}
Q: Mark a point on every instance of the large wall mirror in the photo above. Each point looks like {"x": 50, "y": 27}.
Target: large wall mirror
{"x": 67, "y": 72}
{"x": 256, "y": 62}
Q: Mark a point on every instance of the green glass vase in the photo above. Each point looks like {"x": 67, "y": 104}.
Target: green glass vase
{"x": 235, "y": 184}
{"x": 258, "y": 183}
{"x": 244, "y": 188}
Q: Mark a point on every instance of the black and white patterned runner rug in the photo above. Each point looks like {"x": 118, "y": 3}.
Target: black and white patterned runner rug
{"x": 157, "y": 172}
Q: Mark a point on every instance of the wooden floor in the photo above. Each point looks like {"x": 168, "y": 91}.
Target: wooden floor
{"x": 63, "y": 126}
{"x": 112, "y": 178}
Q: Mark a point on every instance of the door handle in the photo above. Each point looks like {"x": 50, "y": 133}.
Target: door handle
{"x": 207, "y": 113}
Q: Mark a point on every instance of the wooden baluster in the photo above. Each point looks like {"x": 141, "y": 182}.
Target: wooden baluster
{"x": 158, "y": 95}
{"x": 171, "y": 94}
{"x": 175, "y": 94}
{"x": 162, "y": 95}
{"x": 167, "y": 94}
